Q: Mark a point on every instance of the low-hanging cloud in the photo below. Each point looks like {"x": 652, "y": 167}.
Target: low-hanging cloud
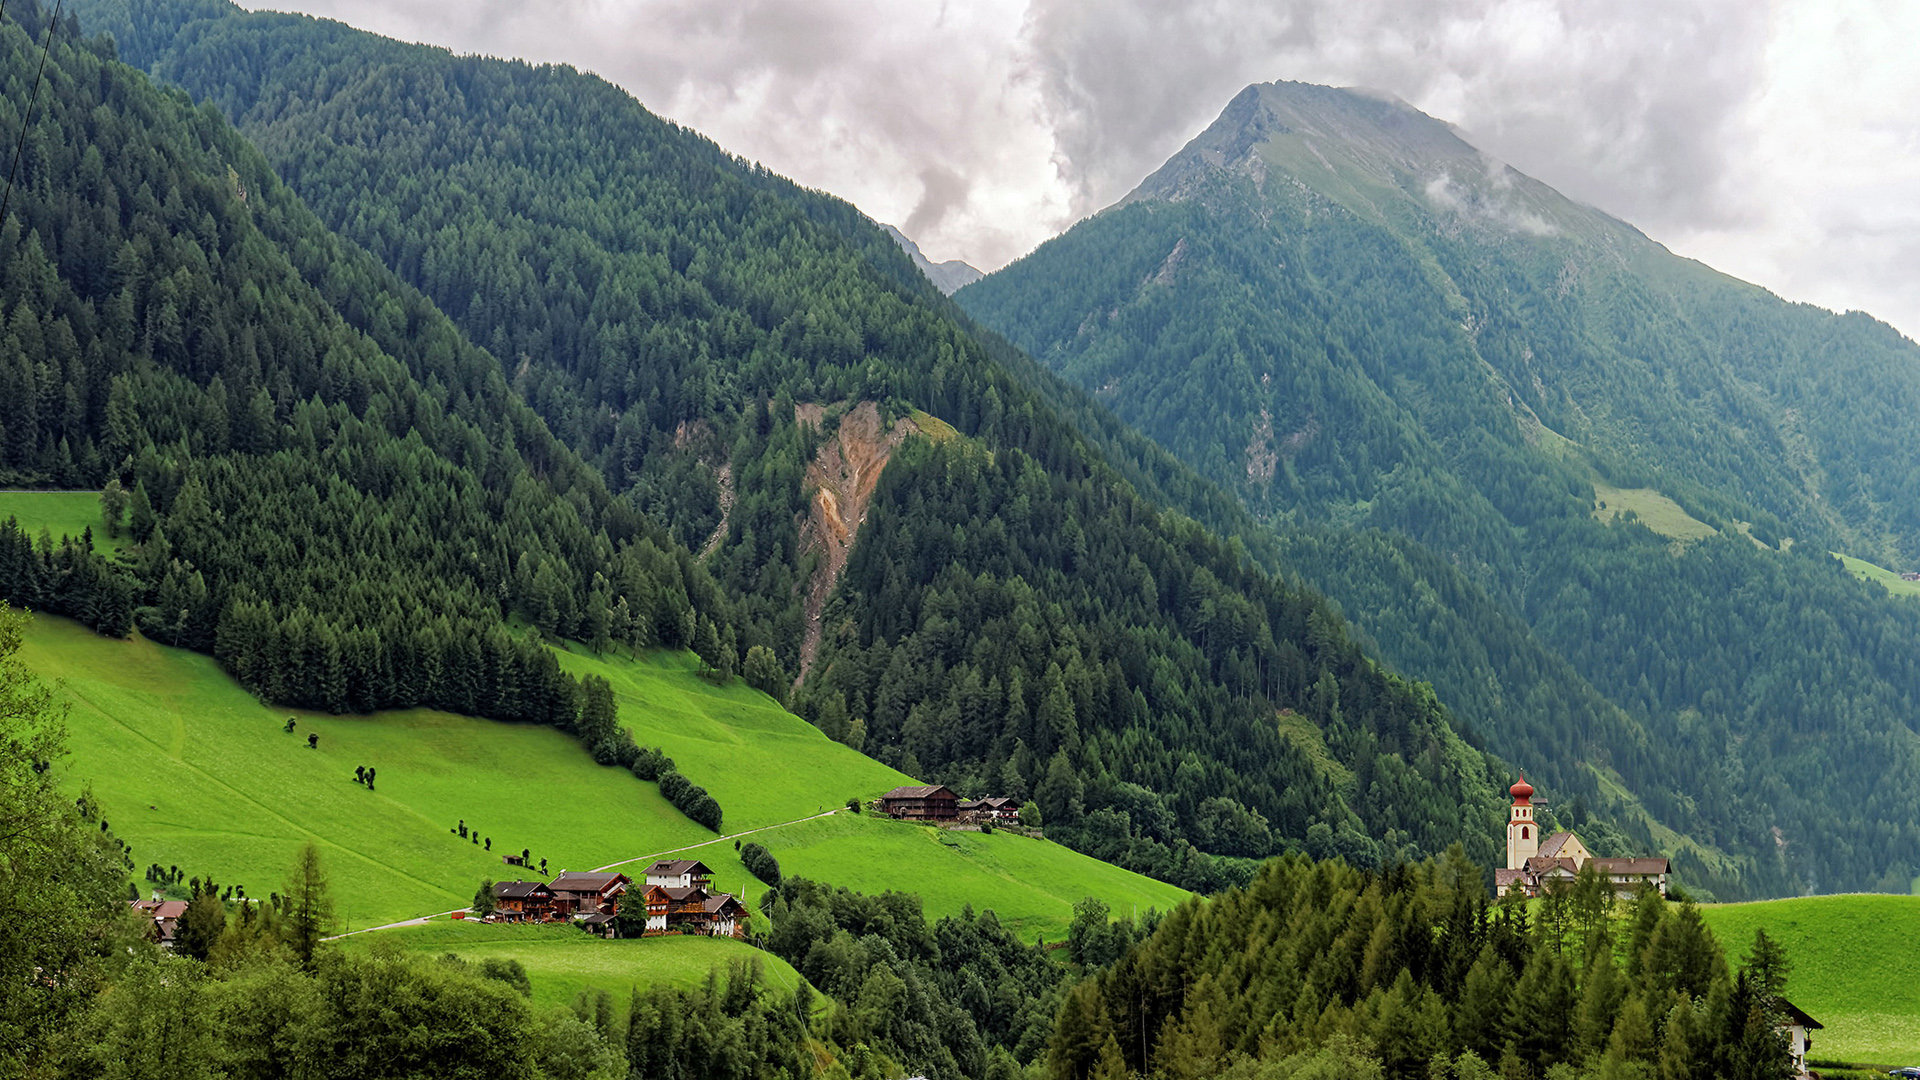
{"x": 1753, "y": 135}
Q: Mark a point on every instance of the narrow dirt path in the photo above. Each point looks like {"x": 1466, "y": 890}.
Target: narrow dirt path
{"x": 422, "y": 920}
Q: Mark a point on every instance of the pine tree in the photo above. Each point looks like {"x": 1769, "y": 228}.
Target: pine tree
{"x": 308, "y": 904}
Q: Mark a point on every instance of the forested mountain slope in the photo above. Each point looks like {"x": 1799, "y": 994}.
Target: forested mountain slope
{"x": 1014, "y": 616}
{"x": 1334, "y": 306}
{"x": 329, "y": 487}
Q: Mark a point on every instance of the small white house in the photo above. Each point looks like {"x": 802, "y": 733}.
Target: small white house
{"x": 1798, "y": 1025}
{"x": 679, "y": 874}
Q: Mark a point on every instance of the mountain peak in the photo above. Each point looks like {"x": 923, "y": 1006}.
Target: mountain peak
{"x": 1366, "y": 150}
{"x": 949, "y": 277}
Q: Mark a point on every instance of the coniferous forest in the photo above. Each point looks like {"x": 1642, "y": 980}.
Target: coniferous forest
{"x": 1126, "y": 669}
{"x": 395, "y": 368}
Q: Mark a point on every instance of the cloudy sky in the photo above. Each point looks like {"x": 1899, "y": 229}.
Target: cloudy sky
{"x": 1778, "y": 140}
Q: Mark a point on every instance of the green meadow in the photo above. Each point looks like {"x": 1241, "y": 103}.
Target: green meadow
{"x": 1867, "y": 571}
{"x": 61, "y": 513}
{"x": 194, "y": 772}
{"x": 762, "y": 763}
{"x": 1655, "y": 511}
{"x": 561, "y": 961}
{"x": 1855, "y": 968}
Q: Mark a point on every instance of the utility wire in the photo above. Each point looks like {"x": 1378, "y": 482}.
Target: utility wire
{"x": 32, "y": 102}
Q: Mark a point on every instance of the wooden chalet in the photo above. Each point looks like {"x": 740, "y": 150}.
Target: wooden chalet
{"x": 164, "y": 915}
{"x": 921, "y": 803}
{"x": 691, "y": 908}
{"x": 998, "y": 808}
{"x": 522, "y": 901}
{"x": 578, "y": 892}
{"x": 679, "y": 874}
{"x": 726, "y": 916}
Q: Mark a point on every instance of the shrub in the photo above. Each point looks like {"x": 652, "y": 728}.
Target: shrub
{"x": 691, "y": 799}
{"x": 761, "y": 863}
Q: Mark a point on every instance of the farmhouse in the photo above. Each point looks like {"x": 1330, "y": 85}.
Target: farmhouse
{"x": 993, "y": 808}
{"x": 580, "y": 892}
{"x": 165, "y": 915}
{"x": 926, "y": 803}
{"x": 1534, "y": 863}
{"x": 691, "y": 908}
{"x": 522, "y": 901}
{"x": 679, "y": 873}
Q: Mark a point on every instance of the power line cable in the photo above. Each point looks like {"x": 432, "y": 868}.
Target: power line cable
{"x": 32, "y": 102}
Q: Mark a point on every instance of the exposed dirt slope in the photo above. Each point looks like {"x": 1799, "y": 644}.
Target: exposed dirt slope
{"x": 842, "y": 476}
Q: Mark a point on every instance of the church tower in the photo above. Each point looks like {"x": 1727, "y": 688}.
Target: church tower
{"x": 1523, "y": 833}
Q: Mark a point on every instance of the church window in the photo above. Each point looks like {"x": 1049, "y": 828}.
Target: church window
{"x": 1523, "y": 832}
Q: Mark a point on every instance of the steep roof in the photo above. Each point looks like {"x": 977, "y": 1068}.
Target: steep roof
{"x": 520, "y": 890}
{"x": 162, "y": 909}
{"x": 925, "y": 791}
{"x": 1550, "y": 847}
{"x": 716, "y": 904}
{"x": 1795, "y": 1016}
{"x": 583, "y": 881}
{"x": 676, "y": 867}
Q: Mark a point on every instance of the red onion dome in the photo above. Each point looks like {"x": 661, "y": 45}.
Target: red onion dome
{"x": 1521, "y": 791}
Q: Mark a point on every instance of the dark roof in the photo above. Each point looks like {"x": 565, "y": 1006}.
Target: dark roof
{"x": 582, "y": 881}
{"x": 163, "y": 909}
{"x": 917, "y": 792}
{"x": 520, "y": 890}
{"x": 1796, "y": 1017}
{"x": 598, "y": 918}
{"x": 720, "y": 902}
{"x": 972, "y": 804}
{"x": 1646, "y": 865}
{"x": 680, "y": 895}
{"x": 1001, "y": 802}
{"x": 676, "y": 867}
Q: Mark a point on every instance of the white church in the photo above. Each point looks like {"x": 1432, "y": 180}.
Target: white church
{"x": 1533, "y": 861}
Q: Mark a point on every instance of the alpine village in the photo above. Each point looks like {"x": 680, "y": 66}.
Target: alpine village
{"x": 495, "y": 583}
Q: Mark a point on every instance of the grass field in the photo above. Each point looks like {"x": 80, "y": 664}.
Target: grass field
{"x": 1855, "y": 968}
{"x": 1655, "y": 511}
{"x": 62, "y": 513}
{"x": 764, "y": 764}
{"x": 192, "y": 771}
{"x": 1866, "y": 571}
{"x": 1031, "y": 884}
{"x": 561, "y": 961}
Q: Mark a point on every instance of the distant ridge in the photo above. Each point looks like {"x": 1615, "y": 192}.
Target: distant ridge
{"x": 949, "y": 277}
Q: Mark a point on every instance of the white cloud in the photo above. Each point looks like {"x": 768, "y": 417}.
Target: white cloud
{"x": 1779, "y": 141}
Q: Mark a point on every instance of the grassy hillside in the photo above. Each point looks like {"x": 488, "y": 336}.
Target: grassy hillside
{"x": 561, "y": 961}
{"x": 61, "y": 513}
{"x": 194, "y": 772}
{"x": 1867, "y": 571}
{"x": 762, "y": 763}
{"x": 1854, "y": 968}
